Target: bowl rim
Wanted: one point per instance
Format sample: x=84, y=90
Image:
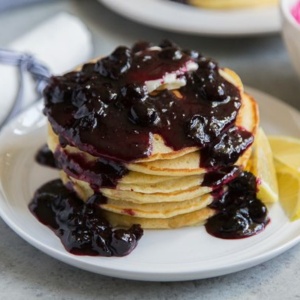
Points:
x=285, y=7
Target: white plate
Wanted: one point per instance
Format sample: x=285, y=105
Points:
x=183, y=18
x=165, y=255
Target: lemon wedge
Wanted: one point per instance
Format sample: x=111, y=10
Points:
x=289, y=189
x=289, y=193
x=261, y=164
x=286, y=151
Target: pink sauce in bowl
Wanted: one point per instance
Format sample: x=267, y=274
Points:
x=296, y=12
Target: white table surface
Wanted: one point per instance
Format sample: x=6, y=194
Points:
x=262, y=62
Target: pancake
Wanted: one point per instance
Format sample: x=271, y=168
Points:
x=84, y=190
x=197, y=217
x=142, y=179
x=167, y=186
x=157, y=210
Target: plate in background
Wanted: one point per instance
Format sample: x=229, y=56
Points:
x=177, y=17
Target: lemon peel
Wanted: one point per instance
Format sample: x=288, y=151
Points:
x=261, y=164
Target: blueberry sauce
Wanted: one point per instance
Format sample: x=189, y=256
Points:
x=81, y=227
x=218, y=178
x=45, y=157
x=106, y=110
x=226, y=148
x=100, y=172
x=240, y=213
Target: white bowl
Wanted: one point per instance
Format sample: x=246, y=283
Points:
x=291, y=32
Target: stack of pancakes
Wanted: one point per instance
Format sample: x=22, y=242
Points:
x=163, y=190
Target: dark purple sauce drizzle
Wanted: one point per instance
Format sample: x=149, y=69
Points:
x=81, y=227
x=240, y=213
x=101, y=172
x=223, y=176
x=45, y=157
